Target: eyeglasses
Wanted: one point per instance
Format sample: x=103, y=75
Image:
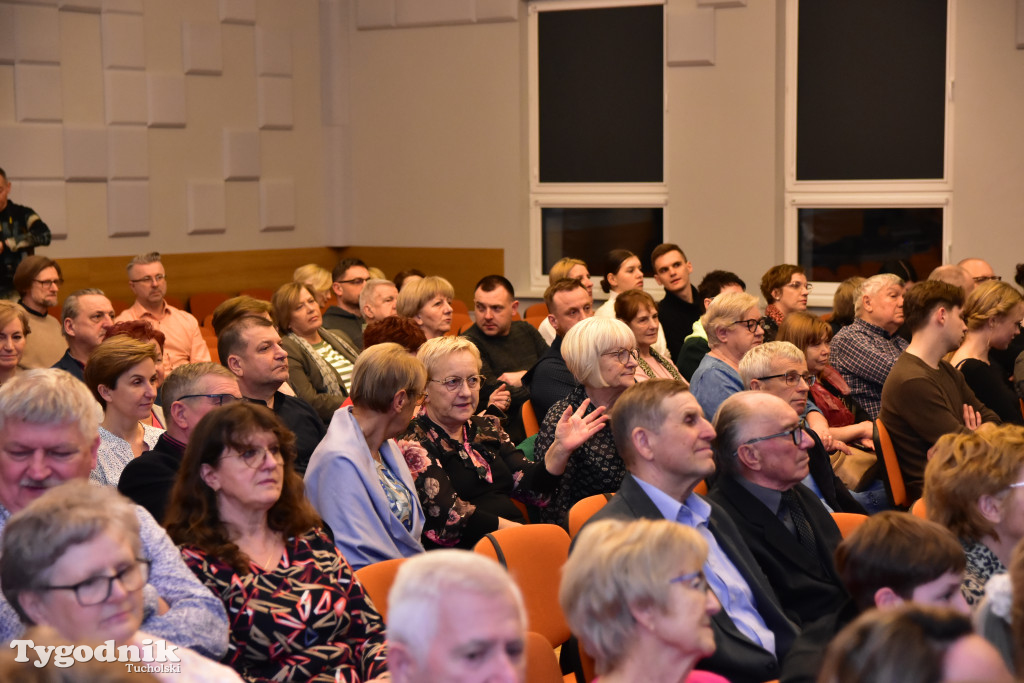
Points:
x=799, y=285
x=623, y=355
x=453, y=383
x=97, y=589
x=751, y=324
x=255, y=456
x=218, y=399
x=796, y=434
x=149, y=279
x=979, y=280
x=694, y=580
x=354, y=281
x=792, y=377
x=50, y=283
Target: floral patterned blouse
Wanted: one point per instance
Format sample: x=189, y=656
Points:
x=308, y=619
x=594, y=467
x=465, y=486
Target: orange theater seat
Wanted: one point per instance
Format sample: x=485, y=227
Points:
x=377, y=579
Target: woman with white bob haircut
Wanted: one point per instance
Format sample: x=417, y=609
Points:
x=634, y=594
x=601, y=354
x=454, y=615
x=73, y=560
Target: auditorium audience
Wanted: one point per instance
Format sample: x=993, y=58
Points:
x=237, y=307
x=636, y=308
x=85, y=319
x=358, y=479
x=635, y=595
x=565, y=268
x=319, y=361
x=428, y=302
x=1000, y=615
x=407, y=276
x=695, y=345
x=993, y=312
x=785, y=288
x=974, y=486
x=245, y=529
x=144, y=332
x=734, y=325
x=38, y=280
x=396, y=329
x=682, y=304
x=467, y=470
x=318, y=279
x=349, y=277
x=73, y=560
x=623, y=273
x=378, y=300
x=122, y=375
x=14, y=332
x=843, y=303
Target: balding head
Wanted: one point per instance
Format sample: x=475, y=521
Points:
x=979, y=269
x=954, y=275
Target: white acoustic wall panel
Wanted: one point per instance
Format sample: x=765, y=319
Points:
x=273, y=53
x=33, y=151
x=690, y=33
x=37, y=92
x=124, y=6
x=8, y=50
x=37, y=34
x=49, y=199
x=497, y=10
x=238, y=11
x=92, y=6
x=434, y=13
x=127, y=208
x=7, y=93
x=122, y=36
x=275, y=102
x=85, y=153
x=125, y=96
x=128, y=153
x=201, y=48
x=277, y=205
x=241, y=154
x=206, y=207
x=166, y=97
x=375, y=13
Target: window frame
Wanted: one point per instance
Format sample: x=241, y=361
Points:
x=861, y=194
x=583, y=195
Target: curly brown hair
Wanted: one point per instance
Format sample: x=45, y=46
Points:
x=193, y=516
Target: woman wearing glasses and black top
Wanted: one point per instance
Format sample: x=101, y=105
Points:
x=295, y=609
x=467, y=470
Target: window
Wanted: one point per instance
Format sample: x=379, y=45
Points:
x=597, y=105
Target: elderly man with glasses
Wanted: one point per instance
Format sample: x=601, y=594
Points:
x=38, y=280
x=761, y=450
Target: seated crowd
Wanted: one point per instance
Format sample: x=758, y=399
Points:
x=735, y=454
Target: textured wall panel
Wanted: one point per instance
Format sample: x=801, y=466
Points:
x=127, y=208
x=125, y=96
x=238, y=11
x=241, y=154
x=277, y=205
x=8, y=50
x=273, y=53
x=33, y=151
x=37, y=34
x=123, y=45
x=275, y=102
x=37, y=92
x=434, y=13
x=375, y=13
x=125, y=6
x=690, y=34
x=201, y=47
x=497, y=10
x=85, y=153
x=128, y=152
x=49, y=199
x=166, y=96
x=206, y=207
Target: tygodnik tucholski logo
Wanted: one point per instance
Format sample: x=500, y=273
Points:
x=153, y=656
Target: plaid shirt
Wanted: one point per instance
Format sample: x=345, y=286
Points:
x=863, y=354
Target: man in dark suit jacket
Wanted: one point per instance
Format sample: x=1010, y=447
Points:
x=762, y=458
x=665, y=441
x=188, y=393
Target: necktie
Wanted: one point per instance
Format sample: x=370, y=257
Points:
x=804, y=533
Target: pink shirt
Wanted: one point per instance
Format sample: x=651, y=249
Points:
x=185, y=343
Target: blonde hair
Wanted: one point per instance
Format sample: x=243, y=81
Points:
x=382, y=371
x=317, y=277
x=618, y=566
x=990, y=300
x=9, y=311
x=562, y=267
x=435, y=351
x=416, y=294
x=723, y=311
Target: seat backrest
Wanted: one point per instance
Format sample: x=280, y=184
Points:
x=377, y=579
x=583, y=510
x=540, y=309
x=459, y=306
x=460, y=323
x=534, y=555
x=893, y=480
x=202, y=304
x=536, y=320
x=541, y=662
x=918, y=509
x=848, y=521
x=530, y=423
